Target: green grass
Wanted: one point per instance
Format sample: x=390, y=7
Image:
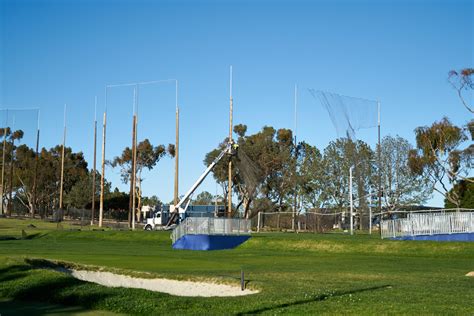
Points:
x=296, y=273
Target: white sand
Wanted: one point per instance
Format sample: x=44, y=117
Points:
x=173, y=287
x=471, y=274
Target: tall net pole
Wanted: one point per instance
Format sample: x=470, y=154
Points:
x=131, y=195
x=176, y=157
x=62, y=165
x=229, y=196
x=10, y=195
x=5, y=130
x=104, y=130
x=379, y=157
x=134, y=154
x=293, y=223
x=94, y=163
x=35, y=179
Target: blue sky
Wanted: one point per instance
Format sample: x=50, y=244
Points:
x=398, y=52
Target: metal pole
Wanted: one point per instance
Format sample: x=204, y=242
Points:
x=176, y=159
x=370, y=210
x=94, y=163
x=351, y=202
x=379, y=156
x=62, y=166
x=229, y=210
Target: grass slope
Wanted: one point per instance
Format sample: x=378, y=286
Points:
x=296, y=273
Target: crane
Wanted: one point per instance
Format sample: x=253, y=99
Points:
x=230, y=150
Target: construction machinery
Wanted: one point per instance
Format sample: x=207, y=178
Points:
x=177, y=213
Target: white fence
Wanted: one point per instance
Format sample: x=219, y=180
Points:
x=428, y=224
x=211, y=226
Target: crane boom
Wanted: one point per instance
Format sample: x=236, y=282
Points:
x=229, y=150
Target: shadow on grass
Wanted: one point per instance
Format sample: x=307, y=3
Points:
x=24, y=237
x=22, y=308
x=13, y=272
x=316, y=298
x=34, y=236
x=26, y=284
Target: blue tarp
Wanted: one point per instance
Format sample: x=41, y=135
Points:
x=440, y=237
x=209, y=242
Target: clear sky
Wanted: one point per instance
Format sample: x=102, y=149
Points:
x=398, y=52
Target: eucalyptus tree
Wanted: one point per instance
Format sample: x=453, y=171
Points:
x=262, y=170
x=47, y=177
x=312, y=179
x=338, y=158
x=462, y=81
x=438, y=157
x=147, y=158
x=401, y=187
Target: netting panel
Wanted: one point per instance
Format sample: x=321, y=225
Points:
x=348, y=114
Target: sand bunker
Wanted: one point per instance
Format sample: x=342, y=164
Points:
x=173, y=287
x=471, y=274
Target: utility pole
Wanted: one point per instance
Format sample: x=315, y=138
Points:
x=229, y=194
x=62, y=167
x=176, y=154
x=94, y=162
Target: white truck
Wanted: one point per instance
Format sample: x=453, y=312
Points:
x=159, y=218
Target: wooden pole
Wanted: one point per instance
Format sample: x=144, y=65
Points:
x=130, y=200
x=293, y=222
x=62, y=166
x=134, y=168
x=94, y=163
x=229, y=196
x=9, y=206
x=134, y=154
x=101, y=201
x=35, y=179
x=176, y=159
x=379, y=156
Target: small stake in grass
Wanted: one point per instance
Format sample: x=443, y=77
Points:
x=242, y=280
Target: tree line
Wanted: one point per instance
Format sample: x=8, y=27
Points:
x=270, y=173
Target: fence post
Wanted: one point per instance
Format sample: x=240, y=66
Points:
x=471, y=225
x=258, y=221
x=430, y=223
